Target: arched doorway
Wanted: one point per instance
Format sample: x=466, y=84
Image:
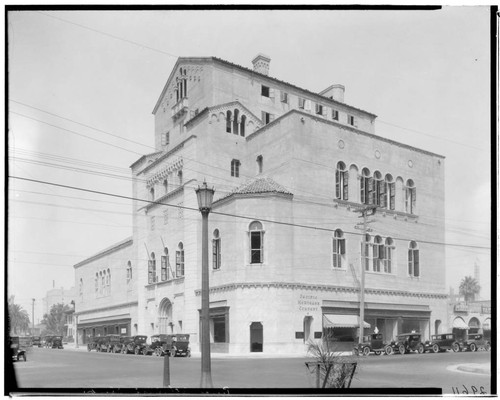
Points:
x=256, y=337
x=460, y=328
x=474, y=325
x=437, y=325
x=165, y=324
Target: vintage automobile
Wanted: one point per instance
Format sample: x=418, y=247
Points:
x=158, y=342
x=47, y=341
x=36, y=341
x=373, y=343
x=407, y=342
x=135, y=345
x=107, y=343
x=127, y=344
x=180, y=345
x=442, y=342
x=18, y=347
x=94, y=343
x=56, y=342
x=474, y=342
x=119, y=346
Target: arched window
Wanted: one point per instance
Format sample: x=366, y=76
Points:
x=96, y=285
x=165, y=265
x=179, y=261
x=235, y=121
x=338, y=249
x=366, y=187
x=378, y=190
x=152, y=269
x=378, y=253
x=260, y=162
x=410, y=197
x=179, y=177
x=109, y=282
x=81, y=289
x=256, y=243
x=152, y=194
x=390, y=190
x=388, y=255
x=242, y=125
x=413, y=259
x=165, y=186
x=341, y=182
x=228, y=121
x=365, y=252
x=216, y=256
x=235, y=168
x=103, y=283
x=129, y=272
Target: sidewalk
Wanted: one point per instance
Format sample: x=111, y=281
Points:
x=476, y=368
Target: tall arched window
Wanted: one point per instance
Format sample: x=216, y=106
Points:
x=388, y=255
x=256, y=243
x=103, y=283
x=96, y=285
x=152, y=194
x=216, y=256
x=165, y=265
x=390, y=190
x=235, y=121
x=366, y=187
x=378, y=189
x=338, y=249
x=341, y=182
x=378, y=253
x=179, y=177
x=165, y=186
x=81, y=289
x=228, y=121
x=410, y=197
x=179, y=261
x=260, y=164
x=242, y=125
x=152, y=269
x=365, y=252
x=413, y=259
x=109, y=282
x=129, y=272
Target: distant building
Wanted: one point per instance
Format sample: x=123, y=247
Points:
x=274, y=152
x=474, y=317
x=58, y=296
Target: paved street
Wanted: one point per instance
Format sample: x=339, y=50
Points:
x=48, y=368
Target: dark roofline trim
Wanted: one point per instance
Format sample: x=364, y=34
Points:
x=236, y=196
x=345, y=127
x=143, y=157
x=166, y=155
x=118, y=246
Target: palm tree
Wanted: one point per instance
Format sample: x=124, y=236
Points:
x=469, y=288
x=18, y=317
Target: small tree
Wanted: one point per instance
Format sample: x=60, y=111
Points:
x=469, y=288
x=332, y=369
x=19, y=319
x=55, y=320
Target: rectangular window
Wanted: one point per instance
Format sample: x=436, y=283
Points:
x=284, y=97
x=216, y=254
x=163, y=268
x=302, y=103
x=392, y=195
x=319, y=109
x=219, y=328
x=150, y=271
x=413, y=263
x=235, y=168
x=351, y=120
x=165, y=138
x=338, y=250
x=256, y=248
x=388, y=260
x=267, y=117
x=264, y=91
x=179, y=263
x=335, y=115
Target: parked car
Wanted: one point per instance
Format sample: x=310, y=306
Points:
x=127, y=344
x=180, y=345
x=407, y=342
x=475, y=342
x=442, y=342
x=373, y=343
x=18, y=347
x=94, y=343
x=119, y=346
x=36, y=341
x=107, y=343
x=47, y=341
x=136, y=344
x=56, y=342
x=158, y=346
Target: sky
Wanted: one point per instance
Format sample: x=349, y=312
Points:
x=83, y=84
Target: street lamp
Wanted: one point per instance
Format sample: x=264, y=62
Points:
x=205, y=197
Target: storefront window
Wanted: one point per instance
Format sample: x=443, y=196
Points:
x=219, y=329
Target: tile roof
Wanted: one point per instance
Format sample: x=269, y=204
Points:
x=258, y=186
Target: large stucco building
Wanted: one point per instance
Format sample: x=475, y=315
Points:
x=291, y=170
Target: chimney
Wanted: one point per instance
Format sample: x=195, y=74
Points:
x=334, y=92
x=261, y=64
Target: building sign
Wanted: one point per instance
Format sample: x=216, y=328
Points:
x=308, y=302
x=486, y=309
x=461, y=307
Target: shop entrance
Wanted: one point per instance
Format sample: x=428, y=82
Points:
x=256, y=337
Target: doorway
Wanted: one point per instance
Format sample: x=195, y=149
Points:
x=256, y=337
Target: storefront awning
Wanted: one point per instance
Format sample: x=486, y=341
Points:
x=459, y=323
x=342, y=321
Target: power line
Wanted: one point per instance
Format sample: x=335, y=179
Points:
x=110, y=35
x=233, y=215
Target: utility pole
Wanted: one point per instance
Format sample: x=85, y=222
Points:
x=365, y=213
x=33, y=317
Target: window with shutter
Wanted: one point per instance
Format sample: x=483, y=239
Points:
x=337, y=184
x=371, y=193
x=413, y=200
x=410, y=262
x=308, y=105
x=392, y=195
x=382, y=195
x=346, y=185
x=363, y=189
x=416, y=264
x=302, y=103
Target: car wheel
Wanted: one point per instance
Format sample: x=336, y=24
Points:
x=455, y=347
x=137, y=351
x=435, y=348
x=145, y=351
x=366, y=351
x=473, y=347
x=401, y=349
x=420, y=348
x=487, y=347
x=389, y=350
x=377, y=353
